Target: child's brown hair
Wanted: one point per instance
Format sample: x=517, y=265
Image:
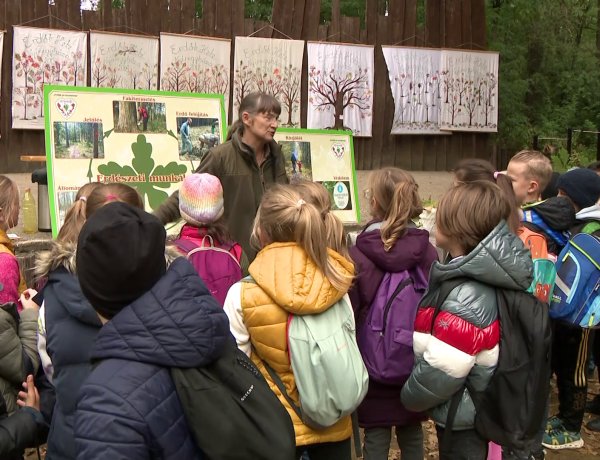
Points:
x=106, y=193
x=397, y=201
x=75, y=217
x=469, y=211
x=472, y=169
x=284, y=216
x=539, y=166
x=318, y=196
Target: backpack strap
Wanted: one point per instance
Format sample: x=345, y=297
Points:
x=185, y=245
x=277, y=381
x=446, y=288
x=452, y=410
x=591, y=227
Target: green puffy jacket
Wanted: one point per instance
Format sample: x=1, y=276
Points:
x=244, y=183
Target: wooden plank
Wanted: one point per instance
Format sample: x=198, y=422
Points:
x=371, y=21
x=209, y=16
x=396, y=14
x=465, y=15
x=165, y=17
x=478, y=30
x=248, y=26
x=297, y=26
x=351, y=28
x=153, y=19
x=3, y=23
x=372, y=155
x=335, y=26
x=432, y=24
x=304, y=89
x=312, y=12
x=175, y=13
x=107, y=14
x=430, y=150
x=187, y=15
x=282, y=12
x=237, y=18
x=223, y=18
x=323, y=32
x=410, y=23
x=41, y=11
x=74, y=14
x=452, y=25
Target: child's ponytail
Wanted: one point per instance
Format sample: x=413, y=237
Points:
x=405, y=205
x=75, y=217
x=284, y=216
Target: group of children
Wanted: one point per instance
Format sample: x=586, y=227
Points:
x=120, y=307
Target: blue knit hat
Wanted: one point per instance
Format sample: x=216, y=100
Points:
x=582, y=185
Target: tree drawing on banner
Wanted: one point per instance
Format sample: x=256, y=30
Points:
x=149, y=75
x=290, y=92
x=180, y=77
x=175, y=77
x=242, y=79
x=333, y=90
x=33, y=73
x=469, y=91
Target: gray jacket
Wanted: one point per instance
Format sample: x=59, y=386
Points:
x=463, y=348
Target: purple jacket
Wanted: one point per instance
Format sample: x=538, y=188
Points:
x=382, y=406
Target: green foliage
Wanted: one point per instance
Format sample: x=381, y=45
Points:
x=549, y=71
x=143, y=164
x=354, y=8
x=259, y=9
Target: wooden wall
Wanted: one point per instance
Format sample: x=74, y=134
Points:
x=447, y=23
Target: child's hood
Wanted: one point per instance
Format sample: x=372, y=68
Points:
x=557, y=212
x=591, y=213
x=175, y=324
x=500, y=260
x=289, y=276
x=410, y=250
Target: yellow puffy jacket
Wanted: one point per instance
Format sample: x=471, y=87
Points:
x=288, y=281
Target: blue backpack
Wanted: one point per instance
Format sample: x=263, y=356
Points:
x=576, y=297
x=385, y=338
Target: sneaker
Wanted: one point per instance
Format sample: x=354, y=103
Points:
x=553, y=423
x=562, y=439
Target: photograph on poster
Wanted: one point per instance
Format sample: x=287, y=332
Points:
x=339, y=192
x=139, y=117
x=297, y=159
x=74, y=140
x=65, y=200
x=196, y=136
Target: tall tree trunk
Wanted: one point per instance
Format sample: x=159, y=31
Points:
x=95, y=136
x=127, y=118
x=67, y=135
x=339, y=111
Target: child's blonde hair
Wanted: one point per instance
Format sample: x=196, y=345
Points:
x=106, y=193
x=75, y=217
x=284, y=216
x=9, y=200
x=539, y=166
x=469, y=211
x=318, y=196
x=397, y=201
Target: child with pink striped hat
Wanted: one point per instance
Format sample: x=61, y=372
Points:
x=205, y=239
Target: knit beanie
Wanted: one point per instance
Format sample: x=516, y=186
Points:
x=201, y=199
x=582, y=185
x=120, y=256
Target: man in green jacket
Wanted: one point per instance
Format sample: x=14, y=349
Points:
x=248, y=163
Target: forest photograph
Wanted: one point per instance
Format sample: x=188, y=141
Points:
x=197, y=136
x=139, y=117
x=297, y=159
x=78, y=140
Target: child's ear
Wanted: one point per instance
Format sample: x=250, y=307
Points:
x=534, y=187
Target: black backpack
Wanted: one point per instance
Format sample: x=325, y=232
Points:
x=510, y=411
x=232, y=412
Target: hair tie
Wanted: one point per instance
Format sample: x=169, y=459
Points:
x=83, y=198
x=300, y=203
x=496, y=174
x=111, y=197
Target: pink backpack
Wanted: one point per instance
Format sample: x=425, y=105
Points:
x=217, y=266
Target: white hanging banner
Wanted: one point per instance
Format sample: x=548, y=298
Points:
x=195, y=64
x=272, y=66
x=340, y=87
x=414, y=75
x=469, y=81
x=42, y=57
x=124, y=61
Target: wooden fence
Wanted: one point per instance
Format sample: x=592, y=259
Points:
x=446, y=23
